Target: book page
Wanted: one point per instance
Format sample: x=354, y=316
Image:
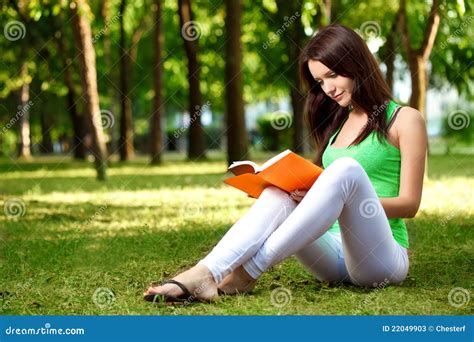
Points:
x=241, y=167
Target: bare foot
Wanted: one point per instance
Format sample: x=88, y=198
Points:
x=238, y=281
x=198, y=280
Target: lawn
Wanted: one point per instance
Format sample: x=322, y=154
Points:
x=72, y=245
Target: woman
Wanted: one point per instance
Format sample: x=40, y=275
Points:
x=349, y=226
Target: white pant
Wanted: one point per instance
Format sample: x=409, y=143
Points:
x=276, y=227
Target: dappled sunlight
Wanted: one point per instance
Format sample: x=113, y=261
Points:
x=139, y=170
x=450, y=196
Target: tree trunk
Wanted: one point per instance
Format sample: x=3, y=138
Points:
x=389, y=52
x=126, y=134
x=111, y=93
x=237, y=139
x=327, y=11
x=24, y=94
x=418, y=58
x=417, y=67
x=46, y=126
x=79, y=125
x=196, y=145
x=83, y=39
x=294, y=40
x=156, y=138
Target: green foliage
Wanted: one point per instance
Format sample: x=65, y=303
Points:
x=267, y=68
x=275, y=132
x=458, y=128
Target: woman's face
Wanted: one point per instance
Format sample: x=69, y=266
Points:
x=337, y=87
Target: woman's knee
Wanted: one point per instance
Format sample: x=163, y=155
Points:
x=346, y=168
x=272, y=192
x=346, y=165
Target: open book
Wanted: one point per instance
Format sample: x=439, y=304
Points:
x=287, y=171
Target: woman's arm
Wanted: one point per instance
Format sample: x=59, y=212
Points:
x=410, y=131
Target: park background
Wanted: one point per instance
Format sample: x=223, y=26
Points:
x=118, y=120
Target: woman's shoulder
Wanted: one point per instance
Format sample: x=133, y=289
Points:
x=409, y=125
x=409, y=117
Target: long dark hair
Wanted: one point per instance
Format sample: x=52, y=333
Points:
x=343, y=51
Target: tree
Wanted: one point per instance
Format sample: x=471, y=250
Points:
x=290, y=30
x=85, y=48
x=156, y=144
x=126, y=132
x=79, y=124
x=418, y=57
x=190, y=34
x=237, y=140
x=24, y=97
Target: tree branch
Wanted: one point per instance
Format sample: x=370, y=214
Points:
x=404, y=28
x=431, y=31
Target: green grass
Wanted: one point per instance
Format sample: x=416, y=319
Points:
x=78, y=236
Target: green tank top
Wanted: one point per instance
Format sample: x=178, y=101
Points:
x=381, y=162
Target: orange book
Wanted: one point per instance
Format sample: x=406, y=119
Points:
x=287, y=171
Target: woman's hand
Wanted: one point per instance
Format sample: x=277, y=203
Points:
x=298, y=195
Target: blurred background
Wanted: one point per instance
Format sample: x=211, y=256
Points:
x=115, y=79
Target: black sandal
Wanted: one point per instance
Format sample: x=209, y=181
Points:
x=186, y=298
